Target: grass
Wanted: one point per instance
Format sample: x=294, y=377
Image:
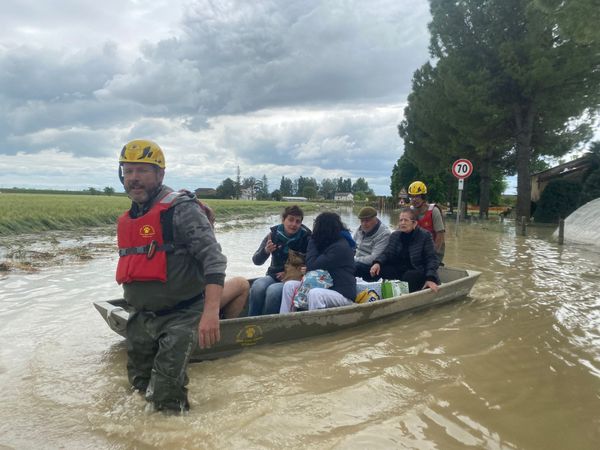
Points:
x=30, y=213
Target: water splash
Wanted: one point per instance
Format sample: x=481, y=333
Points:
x=583, y=225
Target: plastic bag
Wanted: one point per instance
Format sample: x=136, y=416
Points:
x=313, y=279
x=393, y=288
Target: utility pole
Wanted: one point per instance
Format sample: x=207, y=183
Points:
x=238, y=184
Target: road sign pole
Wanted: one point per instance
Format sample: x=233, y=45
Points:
x=461, y=183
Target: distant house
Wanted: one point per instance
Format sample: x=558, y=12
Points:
x=294, y=199
x=574, y=170
x=206, y=192
x=247, y=194
x=343, y=197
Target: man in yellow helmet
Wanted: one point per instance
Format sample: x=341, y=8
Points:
x=172, y=271
x=429, y=216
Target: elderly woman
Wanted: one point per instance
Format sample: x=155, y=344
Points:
x=409, y=256
x=330, y=248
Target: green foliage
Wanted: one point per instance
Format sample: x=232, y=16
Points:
x=559, y=199
x=34, y=213
x=328, y=188
x=344, y=185
x=276, y=195
x=440, y=184
x=360, y=196
x=511, y=79
x=591, y=187
x=304, y=183
x=361, y=186
x=286, y=187
x=22, y=213
x=577, y=19
x=227, y=189
x=309, y=192
x=403, y=173
x=263, y=189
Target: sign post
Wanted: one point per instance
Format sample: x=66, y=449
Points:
x=461, y=169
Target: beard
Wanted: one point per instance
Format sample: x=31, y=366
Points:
x=139, y=192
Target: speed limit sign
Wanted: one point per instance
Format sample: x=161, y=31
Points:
x=462, y=168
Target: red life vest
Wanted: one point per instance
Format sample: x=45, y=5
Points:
x=426, y=221
x=142, y=251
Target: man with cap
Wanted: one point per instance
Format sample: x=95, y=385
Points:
x=371, y=238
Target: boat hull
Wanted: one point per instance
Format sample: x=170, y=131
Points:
x=247, y=332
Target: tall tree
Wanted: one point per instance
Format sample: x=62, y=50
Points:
x=286, y=187
x=263, y=193
x=227, y=189
x=544, y=84
x=361, y=186
x=344, y=185
x=305, y=182
x=328, y=188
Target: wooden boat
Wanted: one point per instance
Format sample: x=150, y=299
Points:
x=245, y=332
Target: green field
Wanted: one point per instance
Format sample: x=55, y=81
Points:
x=27, y=213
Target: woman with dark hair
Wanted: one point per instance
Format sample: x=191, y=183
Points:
x=330, y=248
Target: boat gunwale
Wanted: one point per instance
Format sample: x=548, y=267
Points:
x=298, y=315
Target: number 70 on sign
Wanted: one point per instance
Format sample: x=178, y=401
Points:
x=462, y=168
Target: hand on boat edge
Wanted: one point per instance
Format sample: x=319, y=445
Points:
x=431, y=285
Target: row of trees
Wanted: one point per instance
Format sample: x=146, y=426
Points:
x=511, y=82
x=106, y=191
x=307, y=187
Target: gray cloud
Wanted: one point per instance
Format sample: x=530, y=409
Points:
x=220, y=76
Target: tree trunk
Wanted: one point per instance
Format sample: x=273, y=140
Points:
x=451, y=196
x=524, y=115
x=484, y=184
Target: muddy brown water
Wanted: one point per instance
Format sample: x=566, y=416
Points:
x=514, y=366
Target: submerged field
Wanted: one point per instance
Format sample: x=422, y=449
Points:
x=28, y=213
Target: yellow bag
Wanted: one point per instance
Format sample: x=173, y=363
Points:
x=367, y=296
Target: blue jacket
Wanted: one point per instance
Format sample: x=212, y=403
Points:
x=338, y=260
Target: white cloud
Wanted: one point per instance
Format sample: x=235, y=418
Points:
x=310, y=88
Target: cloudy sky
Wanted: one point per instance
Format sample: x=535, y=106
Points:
x=276, y=87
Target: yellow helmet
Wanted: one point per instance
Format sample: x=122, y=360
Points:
x=417, y=188
x=142, y=151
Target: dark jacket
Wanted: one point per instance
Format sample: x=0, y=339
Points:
x=421, y=252
x=338, y=260
x=298, y=243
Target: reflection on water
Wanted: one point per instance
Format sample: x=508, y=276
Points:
x=515, y=365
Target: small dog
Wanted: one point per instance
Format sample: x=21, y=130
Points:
x=293, y=266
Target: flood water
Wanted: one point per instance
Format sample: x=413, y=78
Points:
x=514, y=366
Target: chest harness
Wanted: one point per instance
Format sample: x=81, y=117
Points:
x=144, y=243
